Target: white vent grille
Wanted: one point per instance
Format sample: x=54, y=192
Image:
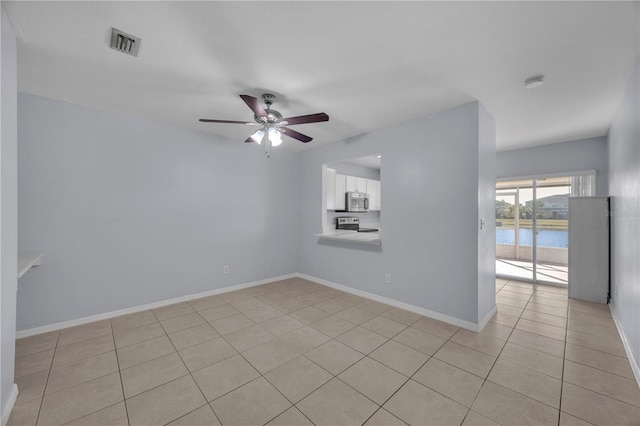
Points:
x=125, y=43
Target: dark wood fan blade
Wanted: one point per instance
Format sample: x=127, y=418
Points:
x=207, y=120
x=303, y=119
x=296, y=135
x=254, y=104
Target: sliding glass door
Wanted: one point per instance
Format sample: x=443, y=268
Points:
x=511, y=259
x=552, y=224
x=532, y=229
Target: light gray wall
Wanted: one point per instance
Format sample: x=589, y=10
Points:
x=624, y=188
x=486, y=210
x=583, y=154
x=130, y=212
x=429, y=227
x=8, y=207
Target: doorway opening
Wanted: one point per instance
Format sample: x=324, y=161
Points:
x=532, y=227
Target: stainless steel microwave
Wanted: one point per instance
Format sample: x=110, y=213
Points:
x=357, y=201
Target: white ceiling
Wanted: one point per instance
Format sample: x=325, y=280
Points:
x=366, y=64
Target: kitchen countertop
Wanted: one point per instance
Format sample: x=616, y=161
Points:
x=351, y=236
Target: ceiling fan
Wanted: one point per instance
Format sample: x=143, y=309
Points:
x=271, y=123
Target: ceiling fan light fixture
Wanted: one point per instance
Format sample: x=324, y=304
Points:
x=275, y=137
x=257, y=136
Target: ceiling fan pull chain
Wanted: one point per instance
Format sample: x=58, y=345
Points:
x=267, y=142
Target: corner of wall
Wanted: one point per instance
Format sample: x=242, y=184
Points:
x=623, y=150
x=486, y=214
x=8, y=407
x=8, y=211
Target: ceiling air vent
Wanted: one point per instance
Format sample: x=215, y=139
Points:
x=124, y=42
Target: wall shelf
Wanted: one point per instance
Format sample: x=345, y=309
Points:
x=27, y=261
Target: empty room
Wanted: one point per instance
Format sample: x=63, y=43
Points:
x=280, y=213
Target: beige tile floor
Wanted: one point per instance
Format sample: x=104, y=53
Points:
x=297, y=353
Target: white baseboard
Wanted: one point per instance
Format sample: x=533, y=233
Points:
x=627, y=347
x=407, y=307
x=72, y=323
x=401, y=305
x=6, y=410
x=483, y=323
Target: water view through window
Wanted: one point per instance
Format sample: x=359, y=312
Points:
x=546, y=237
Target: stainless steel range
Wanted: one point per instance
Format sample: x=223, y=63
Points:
x=352, y=223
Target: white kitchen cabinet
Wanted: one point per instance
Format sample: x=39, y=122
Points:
x=340, y=190
x=330, y=189
x=351, y=183
x=373, y=189
x=361, y=185
x=336, y=185
x=589, y=248
x=356, y=184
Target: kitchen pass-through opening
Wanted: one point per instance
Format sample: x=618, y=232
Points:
x=352, y=199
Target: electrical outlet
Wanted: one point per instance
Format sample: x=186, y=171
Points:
x=387, y=278
x=226, y=269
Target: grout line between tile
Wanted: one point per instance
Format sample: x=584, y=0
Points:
x=188, y=372
x=564, y=360
x=593, y=349
x=600, y=369
x=196, y=409
x=44, y=391
x=333, y=376
x=140, y=341
x=507, y=341
x=605, y=395
x=267, y=380
x=252, y=366
x=77, y=384
x=124, y=398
